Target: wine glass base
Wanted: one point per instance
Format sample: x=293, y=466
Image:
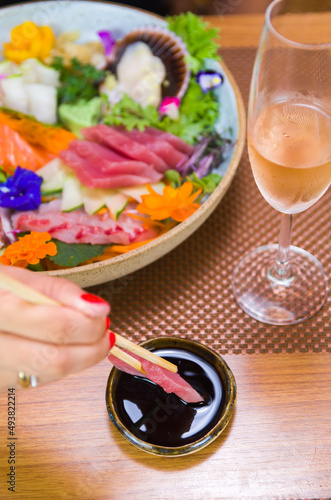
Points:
x=280, y=302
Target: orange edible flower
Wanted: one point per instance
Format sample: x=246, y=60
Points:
x=29, y=249
x=28, y=40
x=175, y=203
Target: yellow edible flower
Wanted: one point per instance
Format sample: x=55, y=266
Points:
x=175, y=203
x=28, y=40
x=29, y=249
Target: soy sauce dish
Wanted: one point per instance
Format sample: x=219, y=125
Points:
x=161, y=423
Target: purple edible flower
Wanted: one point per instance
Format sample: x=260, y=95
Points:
x=108, y=41
x=21, y=191
x=209, y=80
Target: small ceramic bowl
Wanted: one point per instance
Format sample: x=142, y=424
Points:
x=161, y=423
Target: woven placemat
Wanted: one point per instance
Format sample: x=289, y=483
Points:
x=188, y=292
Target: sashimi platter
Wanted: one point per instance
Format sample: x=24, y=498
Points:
x=120, y=132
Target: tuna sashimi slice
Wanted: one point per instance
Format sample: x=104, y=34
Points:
x=108, y=162
x=124, y=367
x=117, y=174
x=79, y=227
x=175, y=141
x=170, y=382
x=92, y=151
x=159, y=146
x=114, y=139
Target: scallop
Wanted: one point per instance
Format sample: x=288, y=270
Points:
x=169, y=48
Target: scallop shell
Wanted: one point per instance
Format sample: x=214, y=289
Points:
x=169, y=48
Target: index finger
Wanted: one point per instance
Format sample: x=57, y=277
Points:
x=61, y=290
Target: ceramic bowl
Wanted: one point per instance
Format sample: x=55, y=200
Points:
x=165, y=418
x=89, y=17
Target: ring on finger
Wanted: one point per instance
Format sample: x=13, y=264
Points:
x=26, y=381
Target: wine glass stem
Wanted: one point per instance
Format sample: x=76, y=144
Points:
x=282, y=268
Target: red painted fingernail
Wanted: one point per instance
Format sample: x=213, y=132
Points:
x=108, y=322
x=112, y=339
x=93, y=299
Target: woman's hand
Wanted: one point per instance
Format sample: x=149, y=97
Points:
x=49, y=342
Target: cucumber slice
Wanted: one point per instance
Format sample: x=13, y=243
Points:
x=116, y=203
x=136, y=192
x=72, y=194
x=54, y=174
x=94, y=199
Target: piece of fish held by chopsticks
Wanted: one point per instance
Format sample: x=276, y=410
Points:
x=169, y=381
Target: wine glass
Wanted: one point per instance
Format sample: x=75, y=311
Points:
x=289, y=146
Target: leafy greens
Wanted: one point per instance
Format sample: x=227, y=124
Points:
x=70, y=255
x=197, y=36
x=79, y=81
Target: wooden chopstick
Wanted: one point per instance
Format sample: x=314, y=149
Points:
x=31, y=295
x=144, y=353
x=129, y=360
x=25, y=292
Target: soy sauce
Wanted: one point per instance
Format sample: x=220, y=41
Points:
x=163, y=419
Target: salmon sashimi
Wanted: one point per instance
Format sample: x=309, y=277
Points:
x=169, y=381
x=52, y=139
x=114, y=139
x=79, y=227
x=16, y=151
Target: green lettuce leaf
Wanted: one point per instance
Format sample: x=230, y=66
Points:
x=70, y=255
x=131, y=114
x=198, y=37
x=208, y=183
x=198, y=113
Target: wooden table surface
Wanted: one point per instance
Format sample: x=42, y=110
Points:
x=277, y=446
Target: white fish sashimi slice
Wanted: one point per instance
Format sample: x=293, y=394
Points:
x=42, y=102
x=79, y=227
x=15, y=95
x=34, y=71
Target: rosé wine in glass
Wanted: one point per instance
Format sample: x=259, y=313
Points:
x=290, y=154
x=289, y=146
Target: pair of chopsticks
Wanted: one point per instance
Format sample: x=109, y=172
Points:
x=32, y=296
